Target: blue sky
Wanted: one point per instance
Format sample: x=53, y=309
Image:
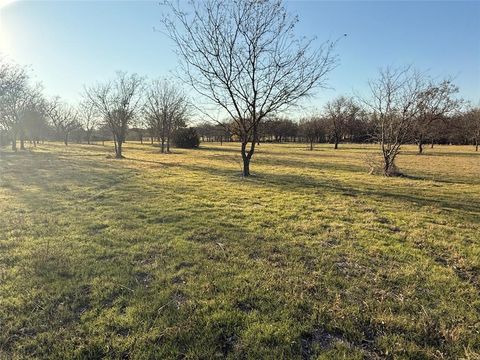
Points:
x=68, y=44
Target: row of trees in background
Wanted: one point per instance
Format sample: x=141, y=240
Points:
x=404, y=106
x=354, y=126
x=342, y=120
x=107, y=110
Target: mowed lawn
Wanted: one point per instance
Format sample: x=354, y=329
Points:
x=176, y=256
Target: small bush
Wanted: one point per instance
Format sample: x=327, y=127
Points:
x=186, y=138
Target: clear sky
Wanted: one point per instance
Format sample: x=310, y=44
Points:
x=69, y=43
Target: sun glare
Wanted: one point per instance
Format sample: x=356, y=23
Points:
x=4, y=3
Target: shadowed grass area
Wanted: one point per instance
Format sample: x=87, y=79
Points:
x=177, y=256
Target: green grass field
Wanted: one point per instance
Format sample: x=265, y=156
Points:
x=176, y=256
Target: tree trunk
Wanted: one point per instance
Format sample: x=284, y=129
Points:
x=118, y=150
x=476, y=144
x=311, y=145
x=246, y=166
x=14, y=144
x=420, y=143
x=66, y=140
x=336, y=145
x=247, y=156
x=387, y=167
x=163, y=145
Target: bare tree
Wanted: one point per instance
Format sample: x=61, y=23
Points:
x=312, y=129
x=139, y=132
x=339, y=113
x=280, y=129
x=209, y=132
x=88, y=117
x=35, y=125
x=18, y=99
x=473, y=126
x=13, y=80
x=243, y=57
x=166, y=108
x=395, y=105
x=118, y=101
x=64, y=118
x=436, y=104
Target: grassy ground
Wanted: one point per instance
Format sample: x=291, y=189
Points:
x=176, y=256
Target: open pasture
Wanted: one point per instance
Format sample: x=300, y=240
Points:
x=177, y=256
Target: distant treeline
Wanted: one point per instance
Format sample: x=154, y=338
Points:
x=457, y=130
x=404, y=107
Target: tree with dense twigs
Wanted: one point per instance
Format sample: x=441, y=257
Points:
x=395, y=105
x=243, y=56
x=166, y=109
x=118, y=101
x=437, y=103
x=63, y=117
x=18, y=100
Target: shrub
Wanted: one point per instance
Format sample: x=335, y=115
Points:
x=186, y=138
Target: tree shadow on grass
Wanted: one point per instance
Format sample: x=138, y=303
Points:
x=433, y=153
x=437, y=180
x=281, y=149
x=297, y=183
x=220, y=148
x=166, y=164
x=47, y=171
x=311, y=165
x=46, y=178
